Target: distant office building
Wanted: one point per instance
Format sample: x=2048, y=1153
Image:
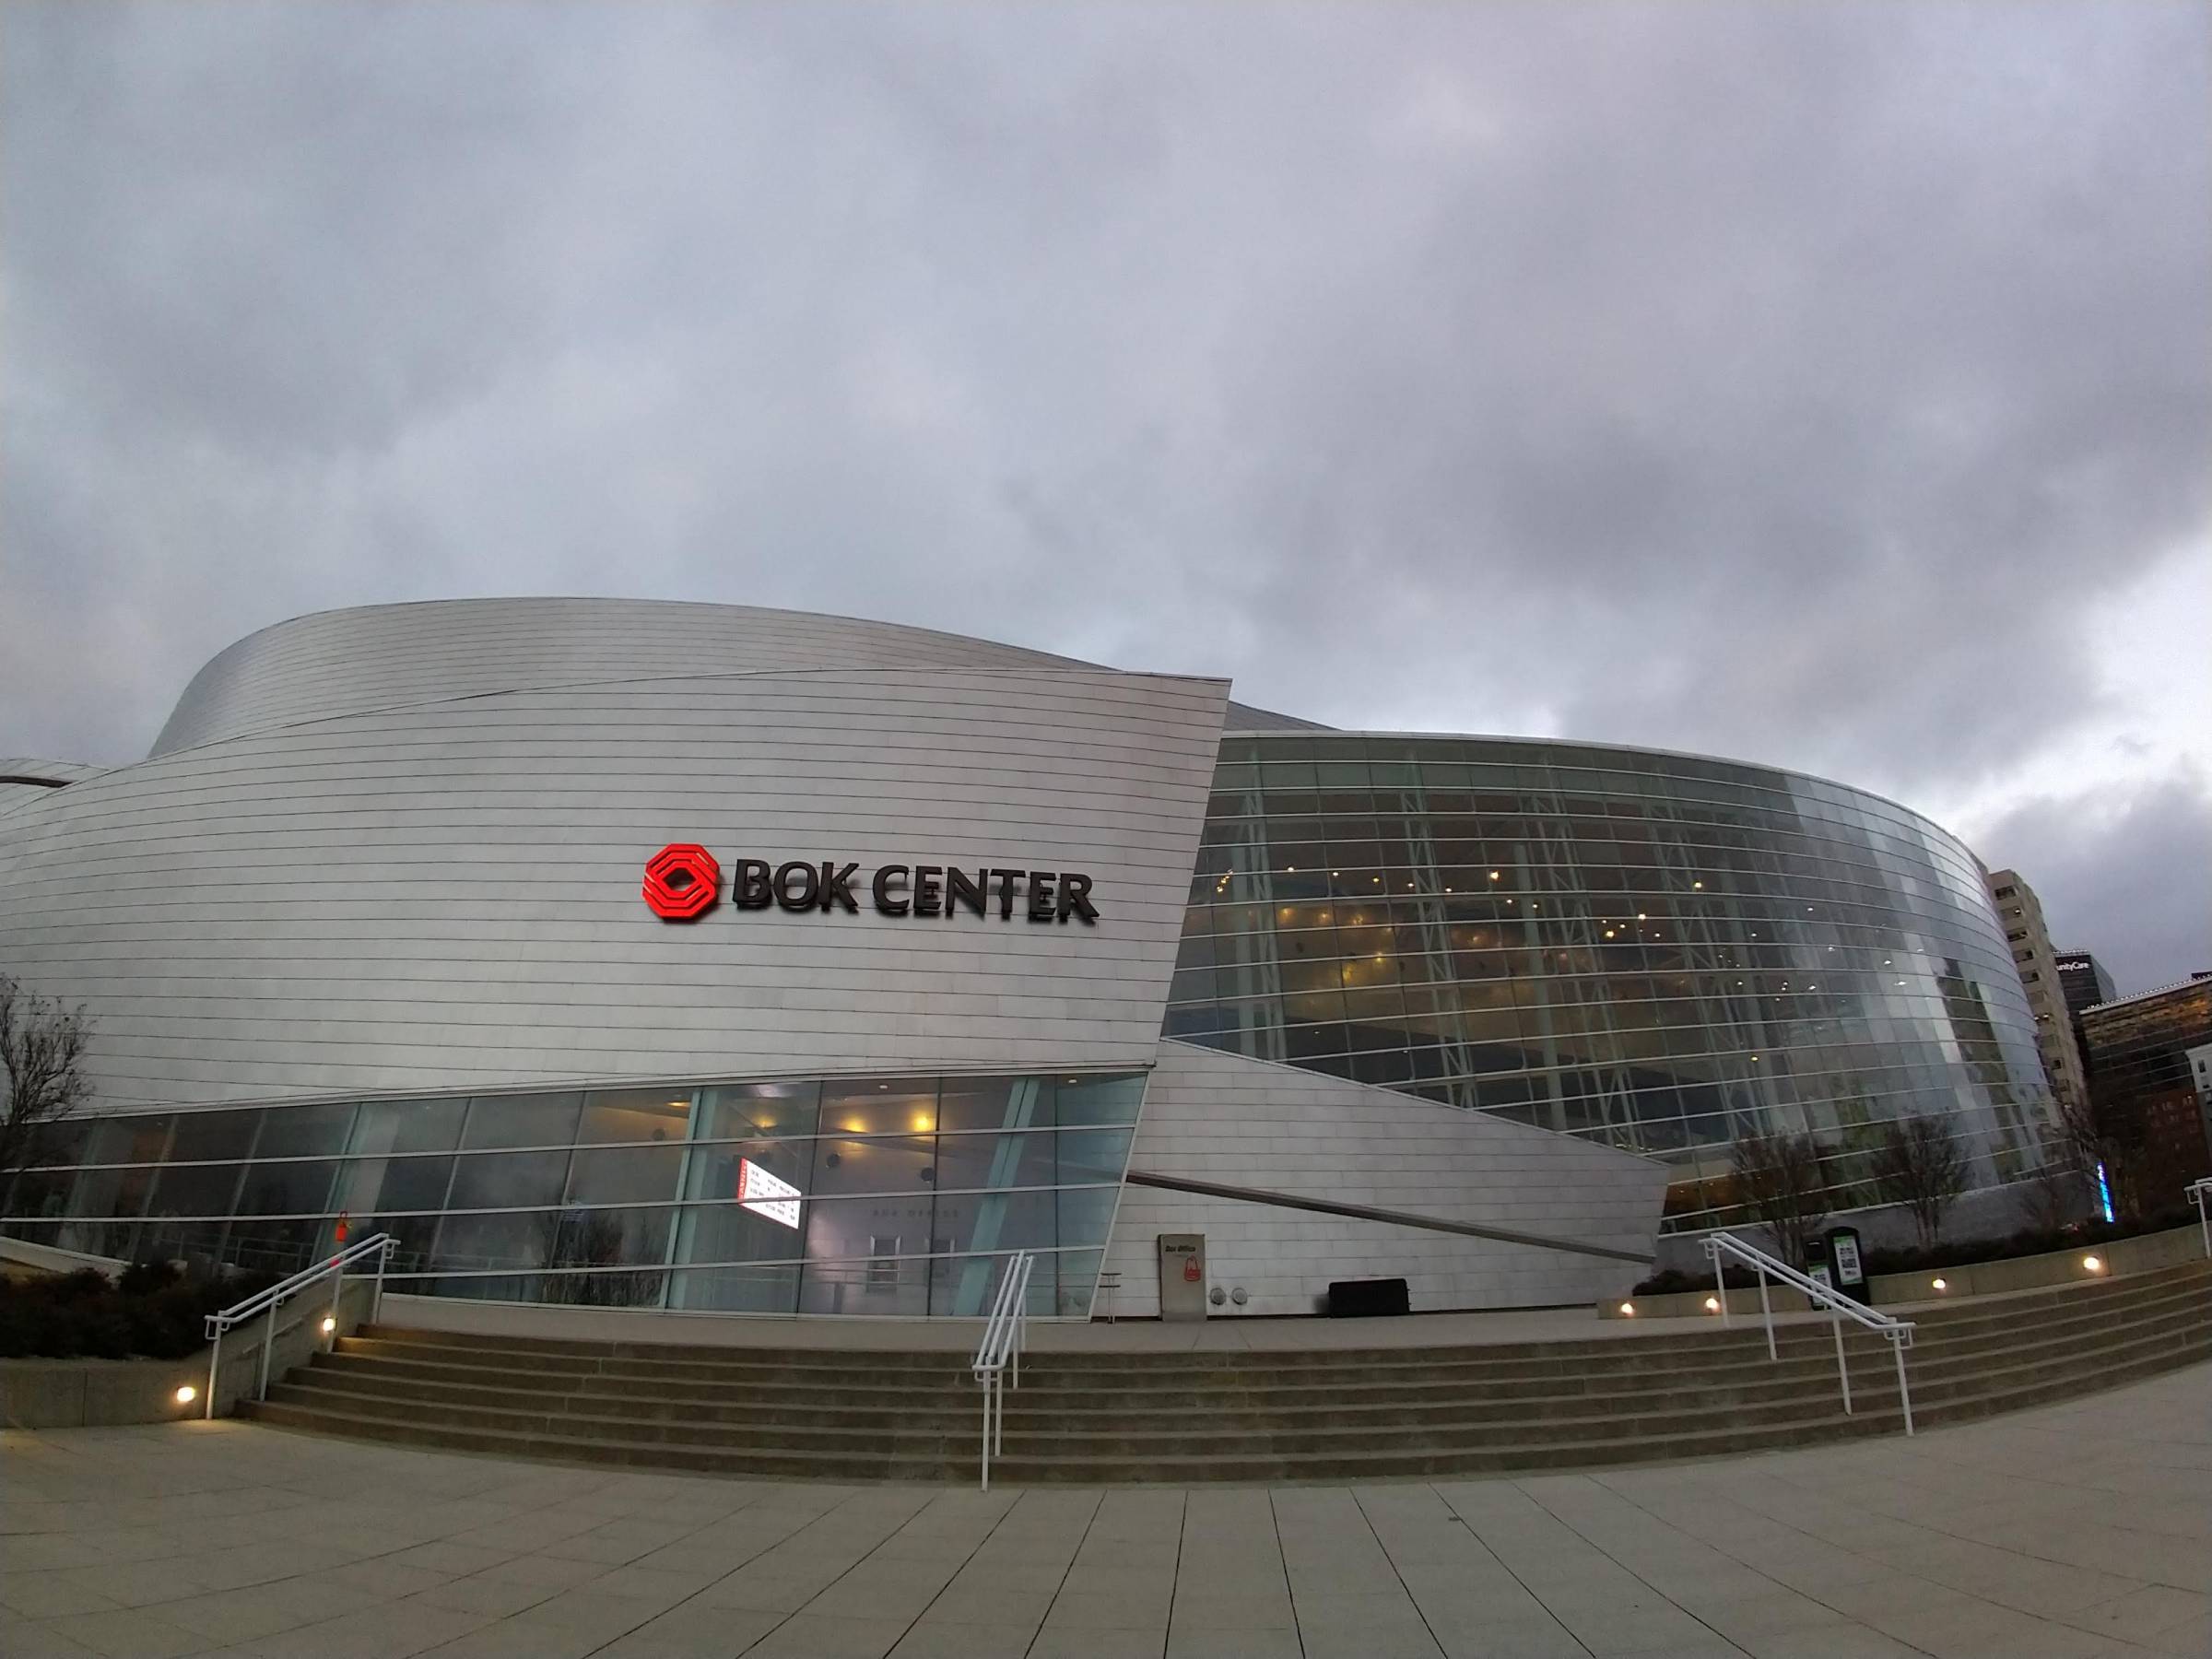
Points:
x=2145, y=1083
x=2038, y=964
x=2086, y=983
x=2200, y=1077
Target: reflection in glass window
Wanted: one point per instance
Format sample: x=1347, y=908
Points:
x=304, y=1131
x=747, y=1110
x=1636, y=915
x=638, y=1198
x=547, y=1119
x=508, y=1181
x=881, y=1106
x=867, y=1255
x=109, y=1201
x=995, y=1103
x=995, y=1161
x=656, y=1115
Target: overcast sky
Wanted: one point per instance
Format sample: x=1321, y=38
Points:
x=1828, y=385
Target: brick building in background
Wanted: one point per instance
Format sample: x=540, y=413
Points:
x=2143, y=1089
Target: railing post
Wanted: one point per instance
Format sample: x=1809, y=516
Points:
x=1904, y=1395
x=1720, y=1281
x=376, y=1301
x=268, y=1342
x=1835, y=1319
x=986, y=1433
x=215, y=1362
x=1766, y=1309
x=338, y=1303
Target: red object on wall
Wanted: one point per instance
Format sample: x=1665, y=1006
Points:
x=1190, y=1271
x=682, y=882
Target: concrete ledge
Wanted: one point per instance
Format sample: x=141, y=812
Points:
x=80, y=1394
x=2147, y=1253
x=19, y=1258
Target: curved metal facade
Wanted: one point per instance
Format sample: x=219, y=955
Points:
x=444, y=894
x=1649, y=950
x=353, y=662
x=365, y=935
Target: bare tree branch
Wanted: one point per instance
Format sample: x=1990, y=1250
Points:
x=1777, y=1179
x=2116, y=1139
x=41, y=1048
x=1919, y=1165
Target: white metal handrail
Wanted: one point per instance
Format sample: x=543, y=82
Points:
x=1840, y=1307
x=998, y=1355
x=2200, y=1194
x=380, y=1245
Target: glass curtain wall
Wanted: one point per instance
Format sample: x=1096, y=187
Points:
x=1653, y=950
x=888, y=1197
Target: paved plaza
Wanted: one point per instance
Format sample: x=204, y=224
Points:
x=2076, y=1530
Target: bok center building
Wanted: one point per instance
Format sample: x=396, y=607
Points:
x=710, y=959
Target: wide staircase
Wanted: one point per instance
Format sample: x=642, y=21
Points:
x=1316, y=1415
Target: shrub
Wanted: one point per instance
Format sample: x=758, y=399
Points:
x=2028, y=1241
x=154, y=1311
x=1674, y=1281
x=142, y=1279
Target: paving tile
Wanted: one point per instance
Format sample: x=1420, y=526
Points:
x=689, y=1632
x=1101, y=1610
x=942, y=1640
x=983, y=1599
x=824, y=1636
x=492, y=1597
x=1256, y=1642
x=1066, y=1643
x=1208, y=1609
x=445, y=1556
x=2055, y=1535
x=1492, y=1638
x=387, y=1580
x=396, y=1631
x=52, y=1593
x=2143, y=1614
x=129, y=1633
x=236, y=1615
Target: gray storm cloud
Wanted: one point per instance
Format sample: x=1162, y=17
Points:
x=1775, y=381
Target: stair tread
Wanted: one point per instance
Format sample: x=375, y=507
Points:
x=1249, y=1415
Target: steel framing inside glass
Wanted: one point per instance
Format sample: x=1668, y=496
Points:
x=876, y=1195
x=1653, y=950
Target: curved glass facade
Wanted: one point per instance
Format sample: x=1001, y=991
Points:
x=895, y=1196
x=1657, y=951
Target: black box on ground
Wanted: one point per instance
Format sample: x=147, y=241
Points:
x=1362, y=1298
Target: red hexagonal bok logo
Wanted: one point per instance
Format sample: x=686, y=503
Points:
x=682, y=882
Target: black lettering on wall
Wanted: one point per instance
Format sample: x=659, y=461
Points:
x=801, y=895
x=1075, y=896
x=913, y=889
x=836, y=885
x=881, y=887
x=750, y=890
x=962, y=888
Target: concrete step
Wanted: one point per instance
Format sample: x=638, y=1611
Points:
x=1749, y=1379
x=1873, y=1376
x=1064, y=1382
x=1410, y=1459
x=1316, y=1415
x=1127, y=1436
